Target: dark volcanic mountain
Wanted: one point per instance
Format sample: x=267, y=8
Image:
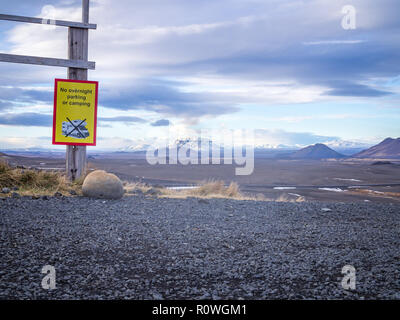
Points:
x=316, y=152
x=388, y=148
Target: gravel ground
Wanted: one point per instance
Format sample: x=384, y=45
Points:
x=147, y=248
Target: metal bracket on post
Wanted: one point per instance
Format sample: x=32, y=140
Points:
x=73, y=169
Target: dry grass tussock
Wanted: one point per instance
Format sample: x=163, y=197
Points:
x=36, y=182
x=285, y=198
x=206, y=189
x=135, y=187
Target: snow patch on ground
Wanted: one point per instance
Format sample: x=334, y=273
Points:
x=332, y=189
x=284, y=188
x=344, y=179
x=182, y=187
x=373, y=191
x=295, y=194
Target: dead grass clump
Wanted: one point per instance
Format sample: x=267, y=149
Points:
x=135, y=187
x=36, y=182
x=215, y=188
x=285, y=198
x=210, y=189
x=3, y=166
x=206, y=189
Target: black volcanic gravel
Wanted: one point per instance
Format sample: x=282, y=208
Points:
x=148, y=248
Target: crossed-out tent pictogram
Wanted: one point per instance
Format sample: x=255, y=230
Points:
x=75, y=127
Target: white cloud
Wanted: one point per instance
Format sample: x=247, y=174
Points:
x=313, y=43
x=160, y=39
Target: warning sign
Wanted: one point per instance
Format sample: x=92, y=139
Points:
x=75, y=112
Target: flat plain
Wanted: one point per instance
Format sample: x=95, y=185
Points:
x=346, y=180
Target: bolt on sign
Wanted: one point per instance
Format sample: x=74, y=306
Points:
x=75, y=112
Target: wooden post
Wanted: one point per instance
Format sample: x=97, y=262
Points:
x=77, y=50
x=77, y=64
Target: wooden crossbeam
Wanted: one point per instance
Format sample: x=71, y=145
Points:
x=79, y=64
x=61, y=23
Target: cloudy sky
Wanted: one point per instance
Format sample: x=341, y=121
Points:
x=285, y=68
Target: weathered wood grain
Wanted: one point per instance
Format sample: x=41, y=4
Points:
x=76, y=161
x=55, y=62
x=62, y=23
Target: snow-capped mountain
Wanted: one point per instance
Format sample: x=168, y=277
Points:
x=344, y=144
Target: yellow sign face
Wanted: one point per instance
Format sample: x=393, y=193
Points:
x=75, y=112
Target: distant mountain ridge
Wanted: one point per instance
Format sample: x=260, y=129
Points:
x=341, y=146
x=316, y=152
x=345, y=144
x=388, y=148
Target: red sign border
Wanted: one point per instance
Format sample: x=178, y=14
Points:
x=55, y=111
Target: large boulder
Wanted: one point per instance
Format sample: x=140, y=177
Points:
x=100, y=184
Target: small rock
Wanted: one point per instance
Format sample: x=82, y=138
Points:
x=229, y=246
x=72, y=192
x=157, y=296
x=57, y=194
x=15, y=195
x=44, y=197
x=5, y=190
x=206, y=295
x=326, y=210
x=396, y=296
